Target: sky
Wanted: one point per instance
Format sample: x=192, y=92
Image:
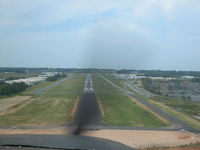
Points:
x=112, y=34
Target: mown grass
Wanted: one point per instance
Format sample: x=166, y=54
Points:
x=120, y=110
x=177, y=114
x=29, y=90
x=178, y=108
x=40, y=112
x=187, y=106
x=51, y=107
x=70, y=88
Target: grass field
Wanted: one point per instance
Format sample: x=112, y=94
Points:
x=53, y=107
x=71, y=88
x=181, y=109
x=29, y=90
x=120, y=110
x=40, y=112
x=187, y=106
x=183, y=113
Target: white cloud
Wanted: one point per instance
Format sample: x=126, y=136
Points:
x=44, y=12
x=37, y=12
x=139, y=27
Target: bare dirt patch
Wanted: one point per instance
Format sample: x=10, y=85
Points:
x=139, y=139
x=16, y=107
x=101, y=108
x=74, y=108
x=184, y=137
x=181, y=148
x=13, y=103
x=55, y=102
x=147, y=139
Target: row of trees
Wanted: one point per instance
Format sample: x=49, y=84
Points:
x=162, y=73
x=7, y=89
x=196, y=80
x=25, y=70
x=147, y=84
x=56, y=77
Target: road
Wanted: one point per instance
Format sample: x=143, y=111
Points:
x=88, y=114
x=179, y=125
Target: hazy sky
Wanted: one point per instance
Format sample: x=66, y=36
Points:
x=131, y=34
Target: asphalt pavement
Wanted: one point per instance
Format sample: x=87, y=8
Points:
x=88, y=114
x=61, y=142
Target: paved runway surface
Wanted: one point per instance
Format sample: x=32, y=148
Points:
x=62, y=141
x=88, y=113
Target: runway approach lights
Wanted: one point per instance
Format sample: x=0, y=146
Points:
x=88, y=88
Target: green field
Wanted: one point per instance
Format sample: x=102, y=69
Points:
x=120, y=110
x=186, y=106
x=179, y=108
x=71, y=88
x=40, y=112
x=29, y=90
x=52, y=107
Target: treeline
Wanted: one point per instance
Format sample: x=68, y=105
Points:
x=56, y=77
x=147, y=84
x=161, y=73
x=149, y=73
x=7, y=89
x=63, y=70
x=13, y=78
x=151, y=85
x=196, y=80
x=22, y=70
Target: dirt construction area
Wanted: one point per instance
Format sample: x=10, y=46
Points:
x=181, y=148
x=133, y=138
x=147, y=139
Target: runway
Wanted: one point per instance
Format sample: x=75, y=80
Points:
x=61, y=142
x=88, y=114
